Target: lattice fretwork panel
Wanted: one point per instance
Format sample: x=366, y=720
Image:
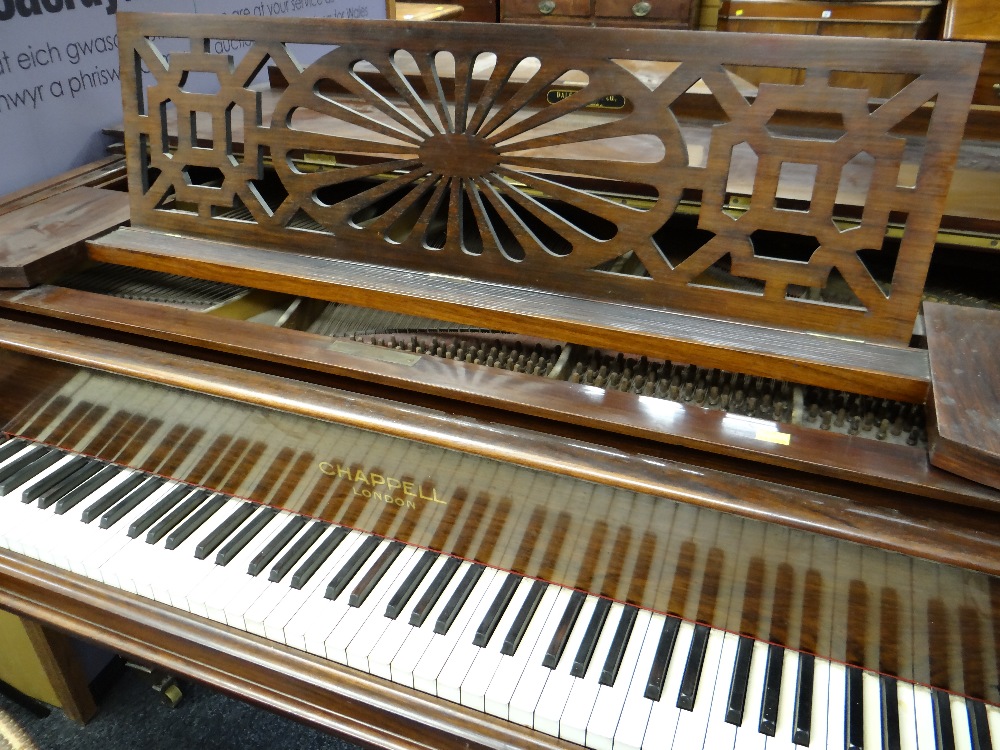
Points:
x=561, y=159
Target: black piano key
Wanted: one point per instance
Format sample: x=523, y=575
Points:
x=581, y=662
x=553, y=654
x=738, y=686
x=245, y=535
x=889, y=699
x=194, y=522
x=661, y=659
x=374, y=574
x=426, y=603
x=29, y=470
x=350, y=569
x=772, y=690
x=18, y=464
x=175, y=516
x=402, y=595
x=524, y=615
x=278, y=543
x=802, y=721
x=162, y=507
x=11, y=447
x=943, y=729
x=492, y=617
x=979, y=728
x=609, y=673
x=130, y=503
x=55, y=479
x=77, y=495
x=297, y=550
x=89, y=469
x=458, y=598
x=223, y=531
x=688, y=693
x=306, y=571
x=109, y=499
x=855, y=726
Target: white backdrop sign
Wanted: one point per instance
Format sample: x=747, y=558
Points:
x=59, y=82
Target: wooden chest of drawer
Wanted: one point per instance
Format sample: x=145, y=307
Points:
x=661, y=14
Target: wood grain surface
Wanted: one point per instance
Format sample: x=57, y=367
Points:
x=434, y=179
x=44, y=239
x=965, y=430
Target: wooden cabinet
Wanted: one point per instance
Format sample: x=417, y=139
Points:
x=883, y=19
x=978, y=21
x=661, y=14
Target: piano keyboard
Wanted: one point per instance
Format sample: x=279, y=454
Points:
x=585, y=668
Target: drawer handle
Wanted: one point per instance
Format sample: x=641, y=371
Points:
x=641, y=8
x=545, y=7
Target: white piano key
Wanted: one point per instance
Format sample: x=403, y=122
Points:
x=457, y=641
x=872, y=696
x=295, y=600
x=308, y=628
x=554, y=694
x=583, y=690
x=837, y=702
x=692, y=726
x=98, y=563
x=417, y=640
x=785, y=726
x=631, y=729
x=237, y=607
x=820, y=703
x=664, y=714
x=472, y=685
x=379, y=646
x=923, y=711
x=907, y=716
x=748, y=735
x=993, y=719
x=511, y=669
x=230, y=582
x=372, y=610
x=607, y=712
x=960, y=723
x=256, y=614
x=721, y=735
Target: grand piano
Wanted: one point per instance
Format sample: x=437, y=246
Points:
x=445, y=393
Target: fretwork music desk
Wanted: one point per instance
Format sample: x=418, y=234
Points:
x=447, y=396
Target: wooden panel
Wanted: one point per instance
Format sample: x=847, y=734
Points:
x=497, y=195
x=870, y=462
x=964, y=435
x=890, y=371
x=976, y=20
x=42, y=240
x=102, y=173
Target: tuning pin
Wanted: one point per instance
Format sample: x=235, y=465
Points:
x=855, y=426
x=914, y=435
x=841, y=416
x=869, y=422
x=883, y=429
x=827, y=419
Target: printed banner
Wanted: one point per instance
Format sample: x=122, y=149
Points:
x=59, y=83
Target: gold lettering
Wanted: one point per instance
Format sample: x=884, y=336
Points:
x=327, y=468
x=343, y=473
x=362, y=477
x=431, y=497
x=408, y=489
x=393, y=484
x=376, y=478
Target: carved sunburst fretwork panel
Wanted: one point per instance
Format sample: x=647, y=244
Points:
x=536, y=157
